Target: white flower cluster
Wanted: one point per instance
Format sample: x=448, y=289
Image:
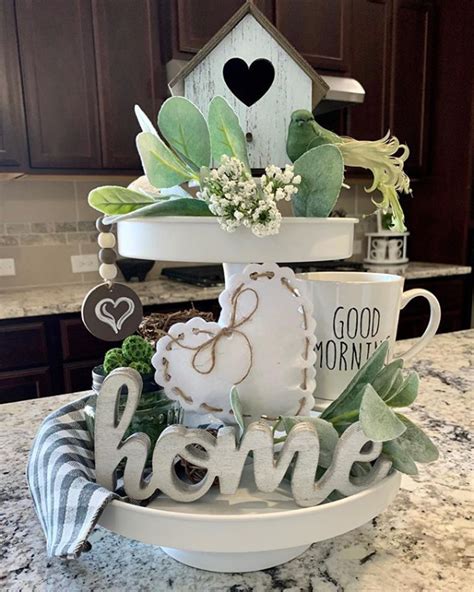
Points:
x=237, y=199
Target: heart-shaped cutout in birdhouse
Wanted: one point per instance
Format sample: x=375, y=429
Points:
x=263, y=343
x=249, y=83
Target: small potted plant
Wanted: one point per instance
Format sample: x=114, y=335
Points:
x=155, y=411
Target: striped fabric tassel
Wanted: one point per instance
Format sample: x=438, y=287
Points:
x=61, y=478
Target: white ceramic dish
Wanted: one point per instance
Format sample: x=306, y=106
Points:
x=201, y=239
x=248, y=531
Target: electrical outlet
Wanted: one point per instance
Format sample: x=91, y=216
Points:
x=7, y=267
x=84, y=263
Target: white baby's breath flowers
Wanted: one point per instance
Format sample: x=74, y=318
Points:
x=237, y=199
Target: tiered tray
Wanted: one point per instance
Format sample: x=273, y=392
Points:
x=249, y=531
x=191, y=238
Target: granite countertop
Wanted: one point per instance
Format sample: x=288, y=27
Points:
x=419, y=544
x=29, y=302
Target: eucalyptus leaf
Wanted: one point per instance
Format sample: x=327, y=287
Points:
x=407, y=393
x=117, y=200
x=384, y=380
x=396, y=385
x=349, y=399
x=142, y=185
x=236, y=406
x=185, y=129
x=170, y=206
x=416, y=443
x=227, y=136
x=322, y=173
x=400, y=458
x=327, y=435
x=162, y=167
x=176, y=191
x=378, y=421
x=144, y=121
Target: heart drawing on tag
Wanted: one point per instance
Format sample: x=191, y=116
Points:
x=106, y=315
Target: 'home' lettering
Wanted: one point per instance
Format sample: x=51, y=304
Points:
x=222, y=456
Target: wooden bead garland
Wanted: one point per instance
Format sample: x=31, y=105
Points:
x=110, y=311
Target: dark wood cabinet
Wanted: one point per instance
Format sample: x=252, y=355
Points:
x=129, y=72
x=194, y=22
x=59, y=80
x=23, y=344
x=320, y=30
x=19, y=385
x=74, y=70
x=77, y=375
x=393, y=62
x=370, y=65
x=84, y=65
x=13, y=153
x=77, y=343
x=455, y=297
x=411, y=77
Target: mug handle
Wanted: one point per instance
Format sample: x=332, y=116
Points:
x=433, y=323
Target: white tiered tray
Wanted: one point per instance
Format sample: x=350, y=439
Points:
x=248, y=531
x=193, y=238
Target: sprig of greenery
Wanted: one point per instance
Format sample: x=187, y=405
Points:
x=373, y=397
x=182, y=150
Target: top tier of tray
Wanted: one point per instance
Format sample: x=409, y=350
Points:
x=190, y=238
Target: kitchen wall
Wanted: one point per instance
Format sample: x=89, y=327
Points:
x=44, y=220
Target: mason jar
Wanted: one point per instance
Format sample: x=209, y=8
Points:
x=154, y=413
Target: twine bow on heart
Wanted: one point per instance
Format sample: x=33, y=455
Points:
x=213, y=341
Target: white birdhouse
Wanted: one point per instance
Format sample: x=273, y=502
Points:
x=260, y=74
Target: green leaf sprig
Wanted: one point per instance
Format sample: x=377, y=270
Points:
x=184, y=158
x=373, y=397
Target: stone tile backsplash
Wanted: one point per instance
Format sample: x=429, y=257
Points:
x=48, y=233
x=45, y=220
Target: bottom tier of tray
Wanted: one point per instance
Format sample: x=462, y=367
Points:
x=248, y=531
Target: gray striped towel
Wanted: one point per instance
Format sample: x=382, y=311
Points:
x=61, y=477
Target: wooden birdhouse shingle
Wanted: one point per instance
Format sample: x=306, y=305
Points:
x=260, y=74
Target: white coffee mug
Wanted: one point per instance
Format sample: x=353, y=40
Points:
x=395, y=248
x=355, y=312
x=379, y=249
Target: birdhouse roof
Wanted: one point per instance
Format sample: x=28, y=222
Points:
x=320, y=87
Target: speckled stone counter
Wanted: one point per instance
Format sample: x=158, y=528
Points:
x=419, y=544
x=41, y=301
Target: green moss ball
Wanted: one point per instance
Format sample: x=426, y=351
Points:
x=136, y=349
x=113, y=359
x=142, y=367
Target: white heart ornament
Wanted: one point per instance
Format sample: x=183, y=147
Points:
x=263, y=343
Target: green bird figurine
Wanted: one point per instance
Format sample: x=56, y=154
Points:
x=384, y=158
x=305, y=133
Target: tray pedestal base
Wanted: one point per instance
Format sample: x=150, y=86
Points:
x=235, y=562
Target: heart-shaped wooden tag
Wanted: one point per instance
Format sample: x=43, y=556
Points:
x=248, y=83
x=263, y=343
